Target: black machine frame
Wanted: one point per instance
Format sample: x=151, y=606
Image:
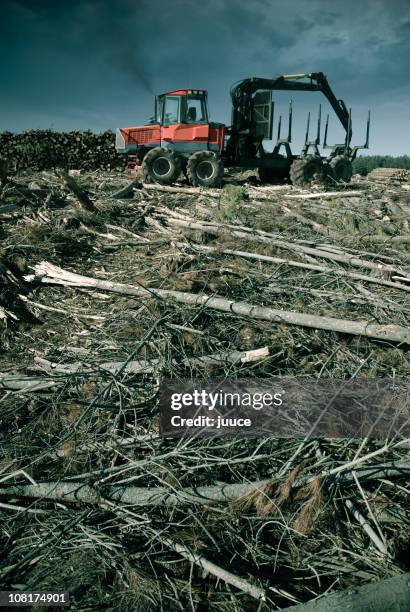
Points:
x=252, y=121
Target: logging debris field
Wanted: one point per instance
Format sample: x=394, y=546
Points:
x=106, y=284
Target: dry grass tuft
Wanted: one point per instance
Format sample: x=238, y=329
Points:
x=311, y=508
x=260, y=500
x=284, y=491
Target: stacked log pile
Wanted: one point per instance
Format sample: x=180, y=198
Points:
x=45, y=149
x=389, y=174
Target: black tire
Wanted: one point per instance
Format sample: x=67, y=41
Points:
x=206, y=169
x=304, y=169
x=340, y=169
x=161, y=166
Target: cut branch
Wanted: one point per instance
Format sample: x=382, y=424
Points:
x=220, y=573
x=50, y=274
x=127, y=191
x=296, y=264
x=347, y=259
x=81, y=195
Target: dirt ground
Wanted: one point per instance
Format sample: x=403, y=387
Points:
x=79, y=370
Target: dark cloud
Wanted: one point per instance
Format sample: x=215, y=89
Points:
x=89, y=63
x=324, y=17
x=403, y=29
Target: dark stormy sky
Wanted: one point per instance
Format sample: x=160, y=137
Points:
x=96, y=64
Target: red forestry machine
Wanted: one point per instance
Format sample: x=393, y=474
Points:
x=180, y=137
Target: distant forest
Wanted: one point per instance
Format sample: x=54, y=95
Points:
x=365, y=164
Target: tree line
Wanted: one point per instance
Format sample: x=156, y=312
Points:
x=366, y=163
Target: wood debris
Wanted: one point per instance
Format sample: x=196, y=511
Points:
x=107, y=286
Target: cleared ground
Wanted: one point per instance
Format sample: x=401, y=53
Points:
x=79, y=378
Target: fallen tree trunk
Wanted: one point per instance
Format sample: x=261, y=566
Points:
x=25, y=383
x=221, y=229
x=295, y=264
x=211, y=193
x=135, y=496
x=147, y=365
x=254, y=192
x=70, y=491
x=325, y=194
x=318, y=227
x=184, y=214
x=181, y=213
x=48, y=273
x=403, y=239
x=127, y=191
x=81, y=195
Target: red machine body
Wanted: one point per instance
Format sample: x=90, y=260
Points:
x=181, y=138
x=181, y=123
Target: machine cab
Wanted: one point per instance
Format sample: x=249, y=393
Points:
x=183, y=119
x=187, y=106
x=180, y=122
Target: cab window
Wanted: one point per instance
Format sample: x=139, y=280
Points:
x=172, y=110
x=159, y=105
x=196, y=109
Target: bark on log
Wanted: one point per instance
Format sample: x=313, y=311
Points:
x=134, y=496
x=48, y=273
x=70, y=491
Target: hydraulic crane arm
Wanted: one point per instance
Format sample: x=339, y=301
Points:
x=242, y=91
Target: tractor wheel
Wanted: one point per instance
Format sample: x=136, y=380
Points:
x=205, y=168
x=161, y=166
x=304, y=169
x=340, y=169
